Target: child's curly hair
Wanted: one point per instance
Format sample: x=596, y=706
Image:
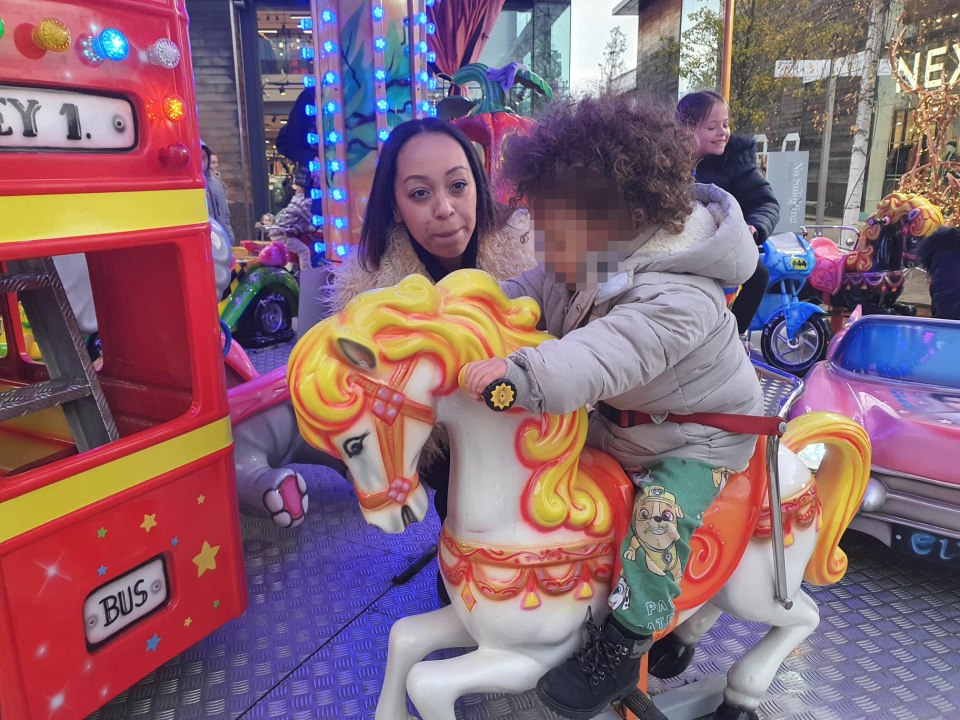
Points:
x=633, y=141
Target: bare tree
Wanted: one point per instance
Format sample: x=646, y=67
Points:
x=876, y=31
x=613, y=52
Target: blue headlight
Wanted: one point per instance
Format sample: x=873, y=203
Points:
x=112, y=45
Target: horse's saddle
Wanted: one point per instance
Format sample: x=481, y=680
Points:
x=827, y=274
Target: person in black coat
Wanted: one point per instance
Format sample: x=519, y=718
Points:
x=940, y=257
x=729, y=162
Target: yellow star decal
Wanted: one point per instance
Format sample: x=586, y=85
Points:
x=200, y=499
x=206, y=560
x=149, y=522
x=187, y=622
x=502, y=396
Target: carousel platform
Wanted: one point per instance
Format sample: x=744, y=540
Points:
x=312, y=644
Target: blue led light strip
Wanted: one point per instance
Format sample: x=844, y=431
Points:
x=331, y=132
x=381, y=106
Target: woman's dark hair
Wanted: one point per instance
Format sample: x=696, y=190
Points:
x=695, y=107
x=378, y=219
x=634, y=142
x=207, y=152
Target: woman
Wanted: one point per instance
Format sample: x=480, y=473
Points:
x=217, y=205
x=729, y=162
x=430, y=212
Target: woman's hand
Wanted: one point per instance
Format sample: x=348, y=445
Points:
x=477, y=375
x=752, y=229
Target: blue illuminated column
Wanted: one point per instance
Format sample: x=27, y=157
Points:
x=421, y=30
x=332, y=148
x=381, y=104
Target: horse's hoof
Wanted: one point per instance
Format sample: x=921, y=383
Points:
x=288, y=502
x=734, y=712
x=669, y=657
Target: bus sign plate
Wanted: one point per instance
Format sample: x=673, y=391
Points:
x=42, y=119
x=121, y=602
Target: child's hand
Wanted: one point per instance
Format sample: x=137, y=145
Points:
x=477, y=375
x=630, y=554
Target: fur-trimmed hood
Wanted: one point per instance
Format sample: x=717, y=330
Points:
x=714, y=243
x=504, y=254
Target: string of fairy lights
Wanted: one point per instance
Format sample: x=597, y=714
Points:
x=330, y=201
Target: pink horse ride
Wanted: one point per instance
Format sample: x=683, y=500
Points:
x=532, y=537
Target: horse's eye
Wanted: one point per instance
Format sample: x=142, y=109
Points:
x=354, y=446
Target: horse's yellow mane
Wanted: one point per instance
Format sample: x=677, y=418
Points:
x=464, y=318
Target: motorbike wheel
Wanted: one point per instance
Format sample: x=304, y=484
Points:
x=795, y=356
x=268, y=319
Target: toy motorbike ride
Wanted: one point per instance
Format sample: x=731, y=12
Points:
x=263, y=296
x=795, y=334
x=872, y=273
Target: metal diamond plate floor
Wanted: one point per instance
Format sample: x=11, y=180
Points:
x=312, y=644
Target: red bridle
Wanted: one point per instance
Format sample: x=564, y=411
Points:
x=387, y=403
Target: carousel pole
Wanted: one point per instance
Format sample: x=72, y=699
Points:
x=727, y=49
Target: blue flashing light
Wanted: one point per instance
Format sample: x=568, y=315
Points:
x=341, y=249
x=431, y=29
x=309, y=81
x=431, y=56
x=330, y=107
x=383, y=135
x=433, y=110
x=422, y=46
x=329, y=46
x=378, y=12
x=314, y=166
x=425, y=106
x=313, y=138
x=320, y=247
x=316, y=194
x=422, y=18
x=380, y=74
x=339, y=223
x=338, y=195
x=432, y=83
x=317, y=221
x=112, y=45
x=328, y=16
x=334, y=137
x=310, y=110
x=306, y=53
x=335, y=166
x=430, y=3
x=306, y=24
x=423, y=76
x=380, y=43
x=329, y=77
x=406, y=50
x=382, y=105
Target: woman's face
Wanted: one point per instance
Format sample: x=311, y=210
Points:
x=714, y=131
x=436, y=196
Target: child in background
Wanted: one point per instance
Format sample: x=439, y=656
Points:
x=729, y=162
x=634, y=258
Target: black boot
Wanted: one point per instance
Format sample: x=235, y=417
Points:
x=604, y=670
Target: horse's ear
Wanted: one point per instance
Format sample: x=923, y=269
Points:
x=358, y=355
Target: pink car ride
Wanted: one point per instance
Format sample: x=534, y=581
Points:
x=899, y=377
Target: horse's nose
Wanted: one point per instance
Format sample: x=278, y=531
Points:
x=406, y=514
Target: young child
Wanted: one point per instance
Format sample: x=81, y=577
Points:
x=634, y=257
x=730, y=162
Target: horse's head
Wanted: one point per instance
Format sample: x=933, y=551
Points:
x=901, y=221
x=364, y=383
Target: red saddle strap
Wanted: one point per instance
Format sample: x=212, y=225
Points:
x=745, y=424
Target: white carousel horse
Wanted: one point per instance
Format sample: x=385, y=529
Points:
x=532, y=536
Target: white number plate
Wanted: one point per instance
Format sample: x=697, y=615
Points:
x=38, y=119
x=121, y=602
